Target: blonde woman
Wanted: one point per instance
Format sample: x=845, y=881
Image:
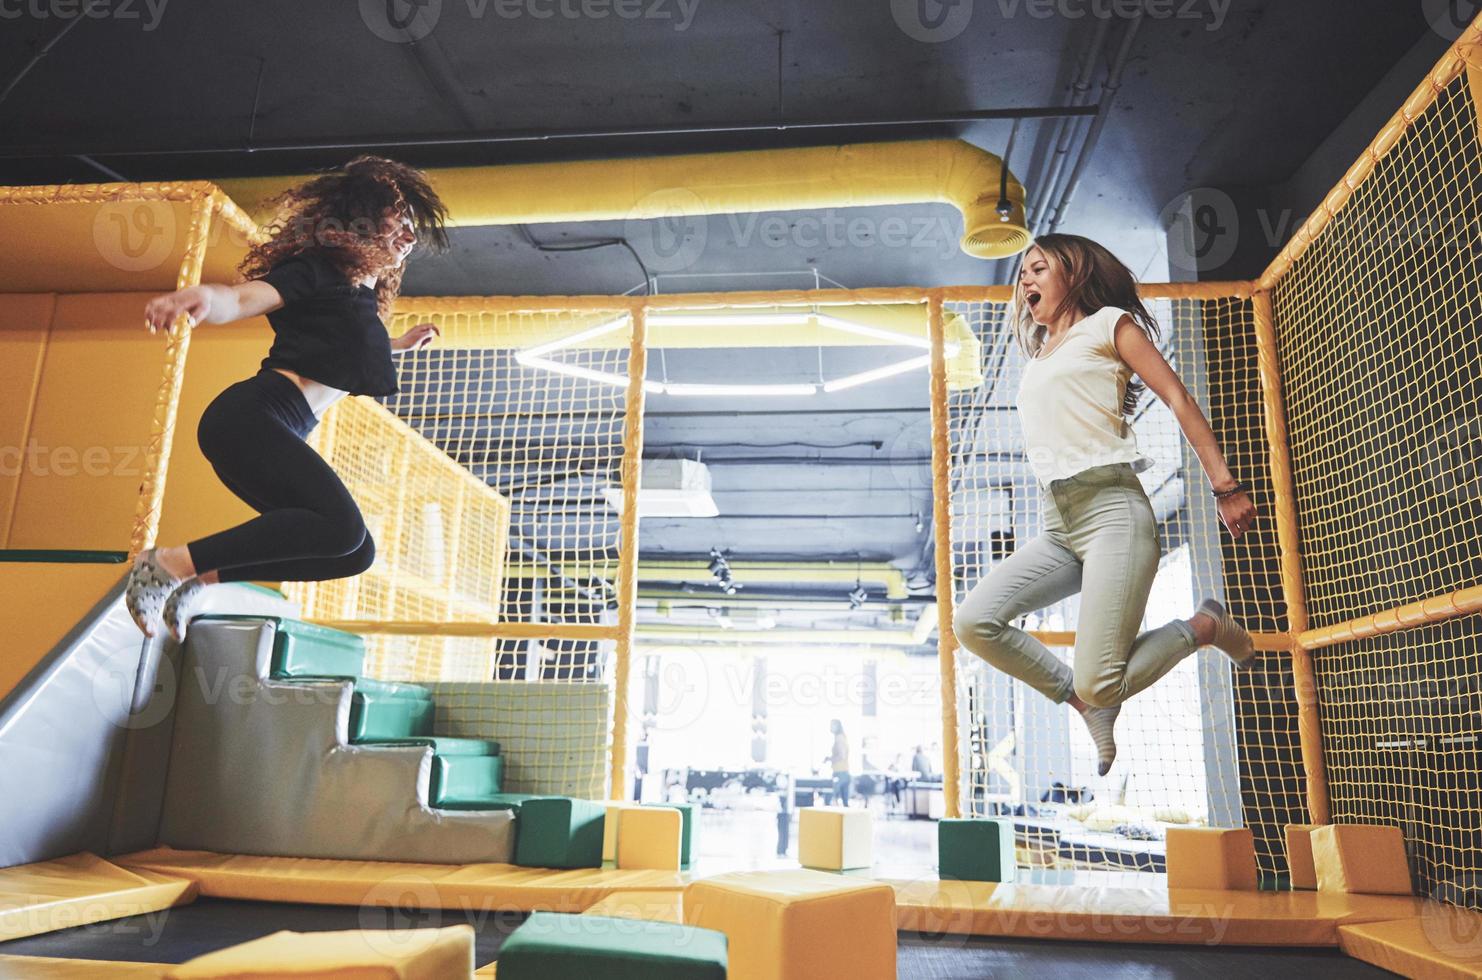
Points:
x=1085, y=332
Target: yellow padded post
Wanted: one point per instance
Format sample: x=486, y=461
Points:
x=1299, y=855
x=1211, y=857
x=798, y=925
x=610, y=829
x=649, y=837
x=355, y=954
x=834, y=838
x=1362, y=859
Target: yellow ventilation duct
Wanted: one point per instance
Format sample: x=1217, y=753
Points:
x=854, y=175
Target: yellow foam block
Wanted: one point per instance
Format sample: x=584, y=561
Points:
x=1364, y=859
x=833, y=838
x=1211, y=858
x=610, y=829
x=1442, y=943
x=647, y=906
x=649, y=837
x=798, y=925
x=1299, y=855
x=78, y=890
x=355, y=954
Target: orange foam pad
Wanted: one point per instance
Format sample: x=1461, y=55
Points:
x=325, y=882
x=1211, y=857
x=1362, y=859
x=648, y=837
x=55, y=968
x=1138, y=915
x=610, y=828
x=648, y=906
x=1299, y=854
x=798, y=925
x=353, y=954
x=80, y=889
x=1442, y=943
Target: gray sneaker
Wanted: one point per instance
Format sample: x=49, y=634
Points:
x=1229, y=635
x=148, y=587
x=179, y=607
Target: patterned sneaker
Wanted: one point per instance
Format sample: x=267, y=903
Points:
x=1100, y=722
x=178, y=607
x=1229, y=635
x=148, y=587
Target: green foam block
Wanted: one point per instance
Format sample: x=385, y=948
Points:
x=303, y=649
x=687, y=830
x=493, y=801
x=553, y=946
x=559, y=832
x=458, y=777
x=976, y=850
x=376, y=716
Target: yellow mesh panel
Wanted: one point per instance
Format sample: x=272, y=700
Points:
x=1379, y=327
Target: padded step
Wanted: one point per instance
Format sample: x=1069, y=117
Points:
x=303, y=650
x=494, y=801
x=441, y=745
x=381, y=716
x=391, y=689
x=464, y=777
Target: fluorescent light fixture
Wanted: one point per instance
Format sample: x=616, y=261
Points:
x=560, y=343
x=665, y=319
x=587, y=374
x=693, y=390
x=865, y=377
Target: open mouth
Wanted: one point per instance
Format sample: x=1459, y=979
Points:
x=1032, y=298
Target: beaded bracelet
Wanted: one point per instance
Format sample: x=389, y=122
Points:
x=1239, y=487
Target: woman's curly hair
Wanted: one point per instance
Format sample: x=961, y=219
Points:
x=340, y=212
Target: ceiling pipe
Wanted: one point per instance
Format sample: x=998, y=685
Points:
x=852, y=175
x=1109, y=89
x=1066, y=128
x=385, y=143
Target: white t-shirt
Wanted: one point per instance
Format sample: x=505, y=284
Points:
x=1070, y=403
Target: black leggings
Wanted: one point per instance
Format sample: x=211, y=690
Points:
x=310, y=529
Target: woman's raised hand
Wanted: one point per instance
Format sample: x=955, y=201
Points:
x=161, y=311
x=416, y=338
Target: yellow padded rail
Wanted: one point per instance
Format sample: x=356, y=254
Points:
x=323, y=882
x=353, y=954
x=57, y=968
x=81, y=889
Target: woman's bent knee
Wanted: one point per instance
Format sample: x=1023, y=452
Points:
x=1100, y=694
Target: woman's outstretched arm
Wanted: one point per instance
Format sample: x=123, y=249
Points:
x=1144, y=358
x=212, y=303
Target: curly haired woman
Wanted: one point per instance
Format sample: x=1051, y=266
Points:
x=326, y=277
x=1080, y=322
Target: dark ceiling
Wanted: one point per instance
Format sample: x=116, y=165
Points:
x=1230, y=95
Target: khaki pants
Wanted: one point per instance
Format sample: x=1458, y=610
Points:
x=1101, y=539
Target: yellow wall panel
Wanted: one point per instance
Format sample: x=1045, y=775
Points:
x=91, y=425
x=25, y=320
x=43, y=602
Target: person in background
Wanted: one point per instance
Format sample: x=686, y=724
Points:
x=921, y=764
x=839, y=760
